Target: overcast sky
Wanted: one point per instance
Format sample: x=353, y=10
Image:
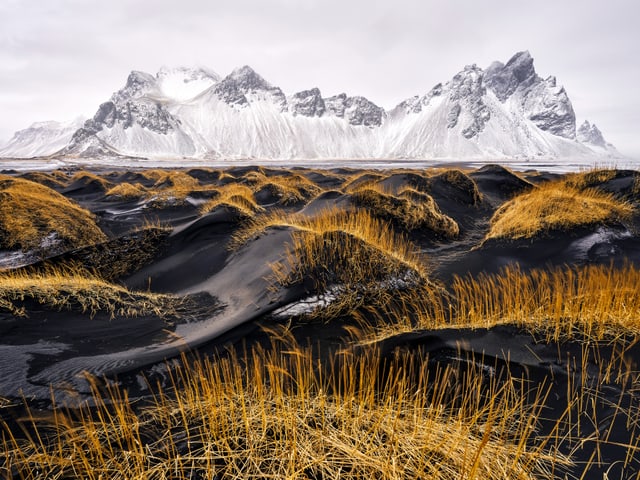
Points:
x=62, y=58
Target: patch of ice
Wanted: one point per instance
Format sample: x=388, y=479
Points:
x=15, y=259
x=115, y=212
x=602, y=236
x=50, y=241
x=307, y=305
x=196, y=202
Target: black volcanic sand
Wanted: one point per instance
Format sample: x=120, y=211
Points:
x=232, y=298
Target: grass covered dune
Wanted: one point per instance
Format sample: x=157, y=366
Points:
x=310, y=324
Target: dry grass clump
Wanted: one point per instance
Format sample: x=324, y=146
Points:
x=170, y=187
x=91, y=178
x=361, y=180
x=291, y=189
x=77, y=290
x=353, y=247
x=121, y=256
x=635, y=189
x=176, y=179
x=287, y=187
x=591, y=178
x=596, y=302
x=358, y=224
x=54, y=179
x=352, y=257
x=590, y=302
x=160, y=188
x=32, y=215
x=555, y=206
x=234, y=196
x=410, y=209
x=461, y=182
x=127, y=190
x=282, y=417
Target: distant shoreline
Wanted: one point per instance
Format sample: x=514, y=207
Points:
x=547, y=165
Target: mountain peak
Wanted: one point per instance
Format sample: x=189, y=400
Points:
x=518, y=72
x=138, y=81
x=589, y=133
x=308, y=103
x=248, y=79
x=244, y=84
x=521, y=65
x=242, y=71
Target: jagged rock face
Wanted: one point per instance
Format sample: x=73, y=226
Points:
x=453, y=115
x=467, y=91
x=244, y=85
x=138, y=84
x=416, y=104
x=504, y=80
x=549, y=107
x=464, y=96
x=336, y=105
x=590, y=134
x=308, y=103
x=129, y=107
x=356, y=110
x=135, y=105
x=543, y=102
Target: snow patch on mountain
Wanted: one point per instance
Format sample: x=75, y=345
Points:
x=182, y=83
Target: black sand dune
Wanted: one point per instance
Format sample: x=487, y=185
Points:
x=176, y=249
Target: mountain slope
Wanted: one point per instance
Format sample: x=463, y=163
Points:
x=41, y=139
x=506, y=110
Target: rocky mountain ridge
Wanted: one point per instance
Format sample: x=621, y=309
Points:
x=502, y=111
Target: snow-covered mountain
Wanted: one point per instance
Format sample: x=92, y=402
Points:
x=505, y=110
x=41, y=139
x=591, y=136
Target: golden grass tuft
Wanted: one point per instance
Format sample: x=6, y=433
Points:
x=362, y=179
x=596, y=303
x=171, y=186
x=591, y=178
x=460, y=181
x=291, y=189
x=52, y=180
x=30, y=213
x=282, y=417
x=127, y=190
x=88, y=177
x=236, y=197
x=164, y=188
x=351, y=256
x=288, y=187
x=359, y=225
x=555, y=206
x=410, y=209
x=170, y=178
x=79, y=290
